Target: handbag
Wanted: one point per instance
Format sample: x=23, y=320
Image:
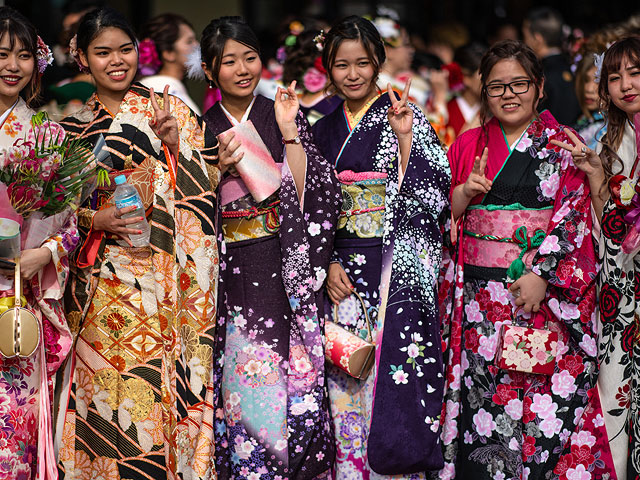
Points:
x=346, y=350
x=528, y=349
x=22, y=327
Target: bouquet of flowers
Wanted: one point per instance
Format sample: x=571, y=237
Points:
x=44, y=172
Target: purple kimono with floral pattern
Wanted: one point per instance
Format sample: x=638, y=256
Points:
x=272, y=420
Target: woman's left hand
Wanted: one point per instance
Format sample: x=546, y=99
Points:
x=286, y=107
x=33, y=260
x=533, y=289
x=163, y=124
x=400, y=115
x=584, y=158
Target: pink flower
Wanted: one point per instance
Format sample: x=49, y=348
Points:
x=550, y=426
x=543, y=405
x=578, y=473
x=314, y=80
x=563, y=384
x=514, y=408
x=483, y=421
x=583, y=437
x=148, y=57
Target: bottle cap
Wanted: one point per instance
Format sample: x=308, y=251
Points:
x=120, y=179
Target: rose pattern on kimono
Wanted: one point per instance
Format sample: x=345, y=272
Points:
x=501, y=424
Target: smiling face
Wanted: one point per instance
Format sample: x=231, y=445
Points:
x=112, y=60
x=624, y=87
x=240, y=70
x=353, y=73
x=17, y=67
x=514, y=111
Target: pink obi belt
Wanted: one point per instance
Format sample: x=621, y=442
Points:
x=496, y=236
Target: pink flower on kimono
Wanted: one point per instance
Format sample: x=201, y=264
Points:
x=549, y=187
x=513, y=408
x=563, y=384
x=543, y=405
x=472, y=309
x=578, y=473
x=483, y=421
x=588, y=344
x=598, y=421
x=583, y=437
x=549, y=245
x=550, y=426
x=488, y=346
x=448, y=472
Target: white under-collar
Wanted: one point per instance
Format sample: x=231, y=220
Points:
x=245, y=116
x=4, y=116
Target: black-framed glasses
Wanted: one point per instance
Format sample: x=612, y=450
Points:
x=517, y=87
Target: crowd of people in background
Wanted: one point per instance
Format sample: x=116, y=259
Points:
x=369, y=257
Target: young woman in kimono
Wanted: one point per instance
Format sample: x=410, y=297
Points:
x=395, y=184
x=26, y=384
x=141, y=402
x=272, y=418
x=619, y=286
x=524, y=247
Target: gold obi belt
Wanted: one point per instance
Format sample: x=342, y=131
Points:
x=504, y=236
x=363, y=199
x=255, y=222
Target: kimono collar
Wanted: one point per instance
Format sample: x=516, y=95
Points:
x=354, y=118
x=245, y=116
x=4, y=116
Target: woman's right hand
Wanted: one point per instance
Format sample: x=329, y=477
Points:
x=478, y=183
x=338, y=283
x=110, y=220
x=227, y=154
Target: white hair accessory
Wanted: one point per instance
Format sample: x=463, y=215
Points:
x=597, y=61
x=194, y=64
x=384, y=11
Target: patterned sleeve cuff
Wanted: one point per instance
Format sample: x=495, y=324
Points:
x=85, y=218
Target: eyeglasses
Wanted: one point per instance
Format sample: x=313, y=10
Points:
x=517, y=87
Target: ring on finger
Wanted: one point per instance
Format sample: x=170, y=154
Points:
x=583, y=149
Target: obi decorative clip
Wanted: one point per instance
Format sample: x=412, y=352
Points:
x=528, y=349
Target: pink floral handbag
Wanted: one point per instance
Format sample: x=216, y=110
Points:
x=347, y=351
x=528, y=349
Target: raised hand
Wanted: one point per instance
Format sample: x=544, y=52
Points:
x=286, y=108
x=163, y=124
x=400, y=115
x=478, y=183
x=227, y=154
x=584, y=158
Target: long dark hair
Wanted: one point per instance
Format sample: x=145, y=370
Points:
x=97, y=20
x=22, y=32
x=628, y=48
x=215, y=36
x=164, y=30
x=353, y=28
x=504, y=50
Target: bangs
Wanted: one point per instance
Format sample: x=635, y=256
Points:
x=19, y=35
x=628, y=48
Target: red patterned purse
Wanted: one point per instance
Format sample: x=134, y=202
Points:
x=528, y=349
x=347, y=351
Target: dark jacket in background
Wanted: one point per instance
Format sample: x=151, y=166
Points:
x=560, y=96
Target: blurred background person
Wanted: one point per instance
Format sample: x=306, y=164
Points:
x=542, y=30
x=303, y=63
x=463, y=109
x=168, y=40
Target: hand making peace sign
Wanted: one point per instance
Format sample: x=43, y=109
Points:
x=286, y=106
x=400, y=114
x=163, y=124
x=478, y=182
x=584, y=158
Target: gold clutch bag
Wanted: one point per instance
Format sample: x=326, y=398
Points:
x=19, y=327
x=347, y=351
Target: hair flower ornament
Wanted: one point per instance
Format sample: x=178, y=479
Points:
x=319, y=40
x=149, y=59
x=43, y=56
x=73, y=51
x=389, y=30
x=597, y=60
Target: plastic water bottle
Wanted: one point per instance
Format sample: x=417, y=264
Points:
x=127, y=195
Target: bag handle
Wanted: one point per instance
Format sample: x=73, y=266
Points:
x=364, y=309
x=540, y=318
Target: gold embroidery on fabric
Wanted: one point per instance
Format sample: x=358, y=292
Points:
x=141, y=393
x=363, y=209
